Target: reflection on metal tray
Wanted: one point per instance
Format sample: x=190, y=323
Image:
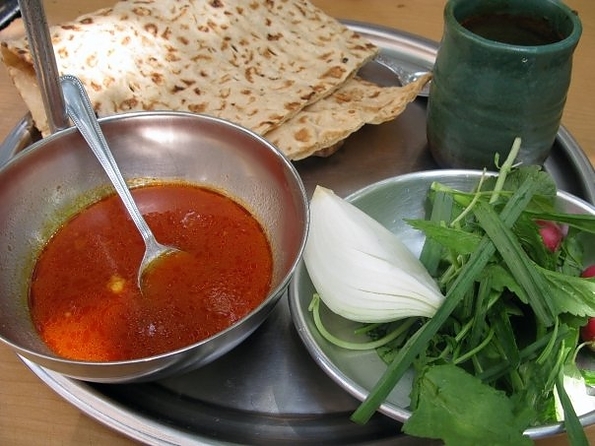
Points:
x=269, y=390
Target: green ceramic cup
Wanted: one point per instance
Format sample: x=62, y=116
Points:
x=485, y=92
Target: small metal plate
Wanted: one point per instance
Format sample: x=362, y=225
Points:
x=269, y=390
x=391, y=202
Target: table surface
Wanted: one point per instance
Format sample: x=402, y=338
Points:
x=31, y=413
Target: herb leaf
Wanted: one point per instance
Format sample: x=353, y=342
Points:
x=459, y=240
x=458, y=408
x=573, y=295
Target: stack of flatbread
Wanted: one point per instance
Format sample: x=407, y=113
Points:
x=281, y=68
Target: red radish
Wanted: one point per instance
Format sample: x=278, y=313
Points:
x=551, y=234
x=589, y=271
x=588, y=331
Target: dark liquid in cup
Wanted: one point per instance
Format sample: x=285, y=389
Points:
x=513, y=29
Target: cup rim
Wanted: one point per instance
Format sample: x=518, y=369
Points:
x=569, y=41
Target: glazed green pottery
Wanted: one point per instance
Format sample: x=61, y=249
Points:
x=507, y=78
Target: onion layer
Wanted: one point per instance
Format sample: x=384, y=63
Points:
x=360, y=269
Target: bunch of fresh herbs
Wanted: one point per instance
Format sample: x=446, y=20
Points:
x=490, y=360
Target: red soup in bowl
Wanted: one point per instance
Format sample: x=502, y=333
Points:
x=84, y=298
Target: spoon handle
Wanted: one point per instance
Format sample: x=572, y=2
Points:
x=44, y=61
x=80, y=110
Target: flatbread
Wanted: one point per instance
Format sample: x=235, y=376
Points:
x=254, y=62
x=319, y=128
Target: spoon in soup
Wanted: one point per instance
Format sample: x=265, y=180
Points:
x=80, y=111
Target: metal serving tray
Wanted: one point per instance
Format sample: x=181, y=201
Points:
x=269, y=390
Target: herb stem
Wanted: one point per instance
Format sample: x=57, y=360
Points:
x=548, y=350
x=469, y=208
x=506, y=169
x=476, y=349
x=366, y=328
x=463, y=331
x=494, y=372
x=349, y=345
x=441, y=211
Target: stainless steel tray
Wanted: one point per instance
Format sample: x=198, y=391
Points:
x=269, y=390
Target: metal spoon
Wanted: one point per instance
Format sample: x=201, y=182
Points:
x=405, y=72
x=80, y=111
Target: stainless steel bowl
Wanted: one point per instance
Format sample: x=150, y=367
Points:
x=49, y=181
x=390, y=201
